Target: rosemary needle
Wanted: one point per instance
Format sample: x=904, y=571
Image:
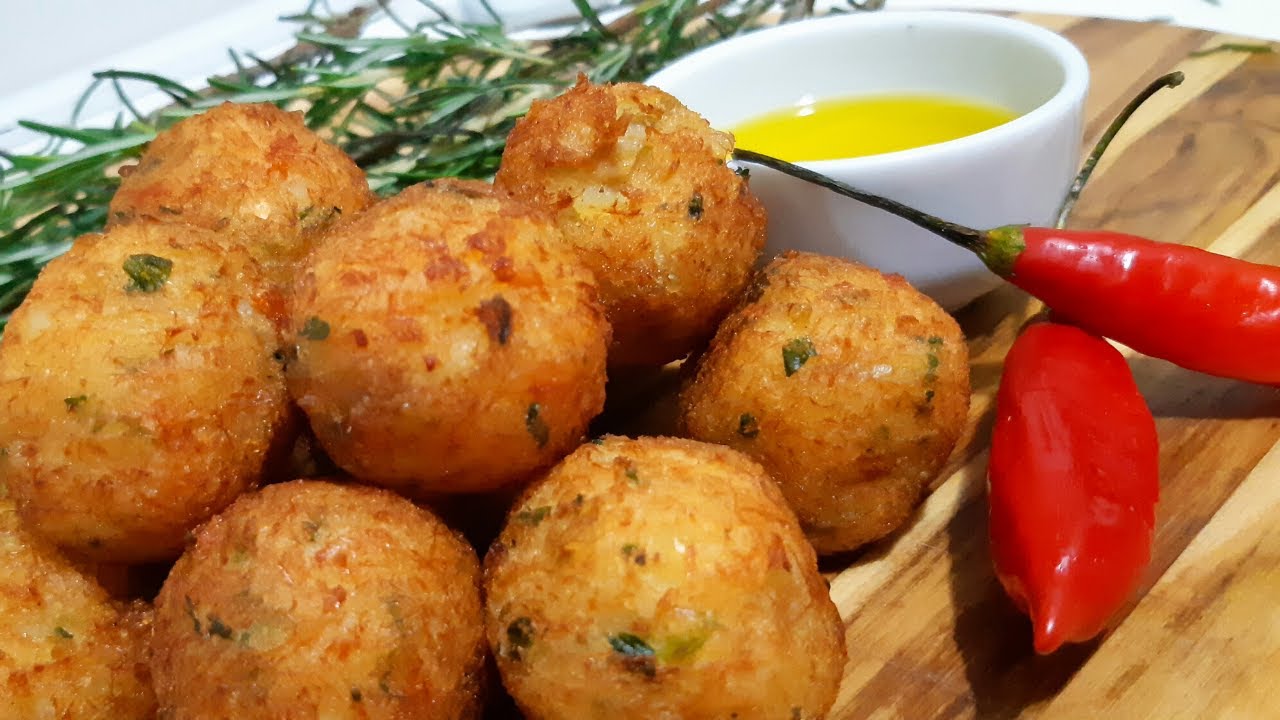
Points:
x=437, y=102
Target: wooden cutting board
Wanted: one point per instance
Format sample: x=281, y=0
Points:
x=930, y=634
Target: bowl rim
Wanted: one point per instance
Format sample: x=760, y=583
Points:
x=1069, y=96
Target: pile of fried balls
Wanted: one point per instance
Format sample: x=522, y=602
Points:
x=358, y=444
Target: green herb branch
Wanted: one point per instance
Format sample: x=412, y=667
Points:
x=437, y=102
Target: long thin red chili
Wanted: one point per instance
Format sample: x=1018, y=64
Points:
x=1203, y=311
x=1074, y=480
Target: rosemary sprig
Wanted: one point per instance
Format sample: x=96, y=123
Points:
x=437, y=102
x=1233, y=47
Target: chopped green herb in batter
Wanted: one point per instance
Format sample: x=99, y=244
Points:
x=536, y=426
x=147, y=273
x=314, y=329
x=519, y=637
x=796, y=353
x=534, y=516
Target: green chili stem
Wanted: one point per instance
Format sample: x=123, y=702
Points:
x=1173, y=79
x=980, y=242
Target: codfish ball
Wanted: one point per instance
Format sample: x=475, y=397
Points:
x=660, y=578
x=253, y=172
x=639, y=186
x=141, y=391
x=447, y=342
x=851, y=387
x=312, y=599
x=67, y=652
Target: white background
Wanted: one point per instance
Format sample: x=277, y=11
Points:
x=49, y=48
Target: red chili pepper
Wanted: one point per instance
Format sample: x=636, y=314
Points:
x=1073, y=482
x=1203, y=311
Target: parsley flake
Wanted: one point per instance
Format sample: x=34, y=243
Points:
x=534, y=516
x=630, y=645
x=536, y=426
x=314, y=329
x=519, y=637
x=748, y=426
x=219, y=628
x=147, y=273
x=74, y=402
x=796, y=353
x=637, y=656
x=695, y=206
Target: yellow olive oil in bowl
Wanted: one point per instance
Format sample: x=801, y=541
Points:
x=837, y=128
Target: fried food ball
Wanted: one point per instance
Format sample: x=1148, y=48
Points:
x=849, y=386
x=253, y=172
x=638, y=183
x=312, y=599
x=66, y=652
x=660, y=578
x=140, y=391
x=447, y=342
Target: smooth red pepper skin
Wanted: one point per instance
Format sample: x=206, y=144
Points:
x=1073, y=481
x=1204, y=311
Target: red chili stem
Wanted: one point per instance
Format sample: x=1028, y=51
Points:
x=1173, y=79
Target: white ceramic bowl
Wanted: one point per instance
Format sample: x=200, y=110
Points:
x=1013, y=173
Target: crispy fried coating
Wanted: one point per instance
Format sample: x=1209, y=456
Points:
x=312, y=599
x=638, y=183
x=447, y=342
x=660, y=578
x=140, y=392
x=66, y=651
x=851, y=387
x=253, y=172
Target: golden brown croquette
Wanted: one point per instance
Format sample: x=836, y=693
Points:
x=447, y=342
x=849, y=386
x=252, y=172
x=312, y=599
x=660, y=578
x=638, y=184
x=141, y=391
x=67, y=652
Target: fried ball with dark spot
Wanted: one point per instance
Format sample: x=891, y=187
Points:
x=67, y=652
x=660, y=578
x=638, y=183
x=141, y=391
x=311, y=599
x=851, y=387
x=253, y=172
x=448, y=342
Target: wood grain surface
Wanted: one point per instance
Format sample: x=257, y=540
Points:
x=930, y=634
